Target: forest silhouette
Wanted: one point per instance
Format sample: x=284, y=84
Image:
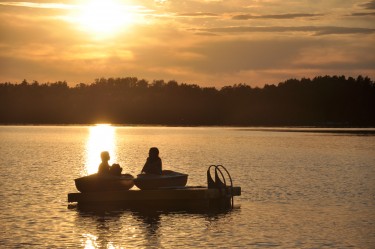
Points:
x=321, y=101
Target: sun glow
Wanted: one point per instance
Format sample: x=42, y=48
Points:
x=104, y=17
x=102, y=138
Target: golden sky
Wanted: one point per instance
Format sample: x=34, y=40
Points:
x=205, y=42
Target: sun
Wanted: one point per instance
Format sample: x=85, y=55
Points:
x=104, y=17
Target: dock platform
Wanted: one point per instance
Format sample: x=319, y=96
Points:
x=185, y=198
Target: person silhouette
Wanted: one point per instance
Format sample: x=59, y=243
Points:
x=104, y=166
x=105, y=169
x=153, y=163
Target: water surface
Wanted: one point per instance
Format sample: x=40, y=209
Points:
x=300, y=189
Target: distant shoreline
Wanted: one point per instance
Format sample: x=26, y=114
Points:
x=336, y=130
x=328, y=101
x=307, y=129
x=115, y=124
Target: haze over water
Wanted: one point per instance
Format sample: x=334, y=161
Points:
x=305, y=189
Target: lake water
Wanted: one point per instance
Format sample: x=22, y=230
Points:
x=305, y=189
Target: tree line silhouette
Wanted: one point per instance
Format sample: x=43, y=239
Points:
x=321, y=101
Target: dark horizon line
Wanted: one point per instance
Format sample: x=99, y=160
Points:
x=256, y=127
x=96, y=80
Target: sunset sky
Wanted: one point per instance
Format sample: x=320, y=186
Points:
x=205, y=42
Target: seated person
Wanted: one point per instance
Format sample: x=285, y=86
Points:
x=104, y=166
x=153, y=163
x=115, y=170
x=105, y=169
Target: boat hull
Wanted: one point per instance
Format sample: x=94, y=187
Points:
x=97, y=183
x=168, y=179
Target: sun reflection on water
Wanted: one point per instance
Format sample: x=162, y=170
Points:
x=101, y=138
x=89, y=241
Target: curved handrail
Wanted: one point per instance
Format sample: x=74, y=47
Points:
x=231, y=183
x=215, y=183
x=210, y=181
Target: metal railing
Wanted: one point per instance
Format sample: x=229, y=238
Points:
x=220, y=184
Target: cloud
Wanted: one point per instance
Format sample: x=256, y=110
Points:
x=332, y=30
x=281, y=16
x=261, y=60
x=38, y=5
x=363, y=14
x=190, y=41
x=206, y=34
x=197, y=14
x=369, y=5
x=317, y=30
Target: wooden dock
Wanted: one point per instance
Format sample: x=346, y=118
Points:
x=182, y=198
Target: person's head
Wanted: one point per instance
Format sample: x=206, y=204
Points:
x=105, y=156
x=153, y=152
